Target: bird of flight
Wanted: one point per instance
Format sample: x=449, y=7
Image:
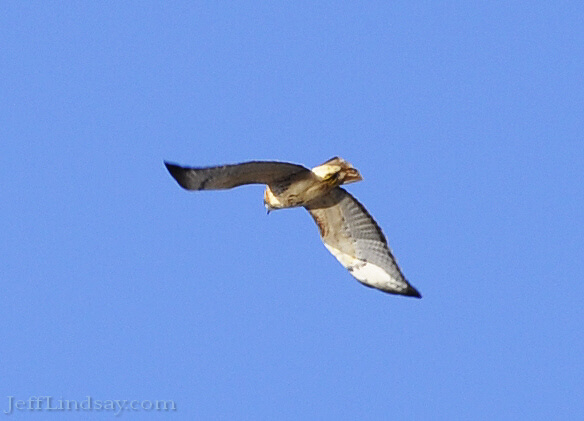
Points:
x=346, y=228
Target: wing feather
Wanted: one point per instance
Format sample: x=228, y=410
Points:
x=229, y=176
x=350, y=233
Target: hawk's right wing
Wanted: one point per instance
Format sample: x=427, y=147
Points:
x=229, y=176
x=354, y=238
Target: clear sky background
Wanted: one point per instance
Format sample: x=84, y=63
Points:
x=466, y=120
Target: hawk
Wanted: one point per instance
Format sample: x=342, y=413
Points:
x=346, y=228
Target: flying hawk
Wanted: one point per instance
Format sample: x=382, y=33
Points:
x=346, y=228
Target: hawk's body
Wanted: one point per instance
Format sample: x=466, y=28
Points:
x=346, y=228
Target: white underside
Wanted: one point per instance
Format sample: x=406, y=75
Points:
x=367, y=272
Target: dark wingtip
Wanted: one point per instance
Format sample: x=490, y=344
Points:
x=412, y=292
x=171, y=167
x=178, y=173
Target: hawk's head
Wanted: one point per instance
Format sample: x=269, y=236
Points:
x=337, y=171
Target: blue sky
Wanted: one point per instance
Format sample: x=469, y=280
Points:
x=466, y=120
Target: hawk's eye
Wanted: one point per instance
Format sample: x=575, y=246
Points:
x=332, y=177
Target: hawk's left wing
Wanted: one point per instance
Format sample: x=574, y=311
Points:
x=355, y=239
x=233, y=175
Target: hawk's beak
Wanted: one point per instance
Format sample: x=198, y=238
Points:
x=352, y=176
